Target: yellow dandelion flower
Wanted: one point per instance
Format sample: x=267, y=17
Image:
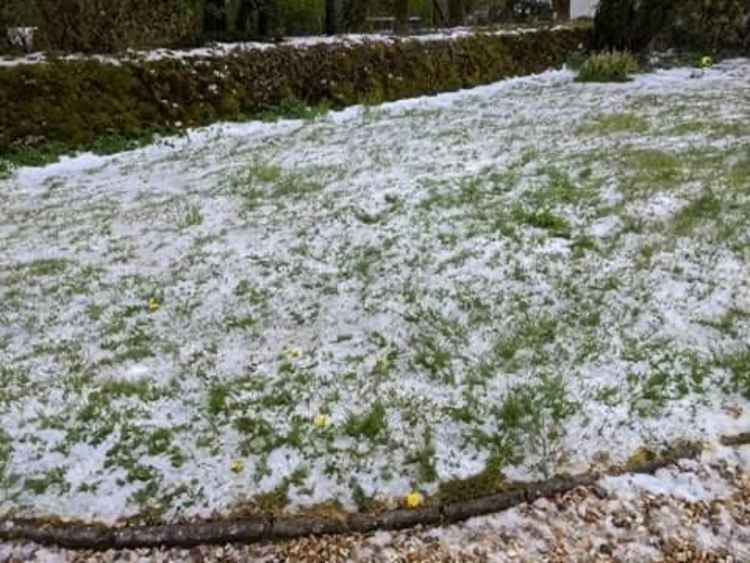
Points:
x=322, y=421
x=153, y=305
x=294, y=353
x=237, y=466
x=414, y=500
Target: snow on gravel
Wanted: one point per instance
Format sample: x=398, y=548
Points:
x=581, y=525
x=533, y=276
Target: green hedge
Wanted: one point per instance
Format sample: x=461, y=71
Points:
x=75, y=102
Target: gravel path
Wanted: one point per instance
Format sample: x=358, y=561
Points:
x=692, y=512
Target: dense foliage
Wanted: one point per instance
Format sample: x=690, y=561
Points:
x=693, y=24
x=105, y=25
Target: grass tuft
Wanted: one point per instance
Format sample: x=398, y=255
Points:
x=608, y=66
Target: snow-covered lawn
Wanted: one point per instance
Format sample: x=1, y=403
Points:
x=531, y=277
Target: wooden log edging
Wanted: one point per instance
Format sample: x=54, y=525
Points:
x=267, y=527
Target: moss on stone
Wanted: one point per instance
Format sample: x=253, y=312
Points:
x=488, y=482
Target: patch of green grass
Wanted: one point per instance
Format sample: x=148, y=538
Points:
x=609, y=124
x=113, y=144
x=251, y=426
x=655, y=392
x=727, y=322
x=45, y=267
x=371, y=425
x=266, y=173
x=159, y=441
x=738, y=367
x=250, y=294
x=217, y=399
x=259, y=436
x=94, y=311
x=609, y=395
x=140, y=472
x=608, y=66
x=192, y=217
x=32, y=156
x=6, y=452
x=712, y=129
x=582, y=245
x=739, y=175
x=293, y=108
x=50, y=153
x=558, y=189
x=141, y=389
x=425, y=460
x=705, y=208
x=364, y=502
x=240, y=322
x=273, y=501
x=364, y=260
x=384, y=364
x=434, y=357
x=544, y=219
x=262, y=182
x=137, y=344
x=53, y=478
x=531, y=334
x=486, y=483
x=477, y=196
x=6, y=169
x=649, y=170
x=531, y=417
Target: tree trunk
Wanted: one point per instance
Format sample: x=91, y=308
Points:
x=214, y=18
x=355, y=15
x=272, y=14
x=330, y=22
x=562, y=9
x=401, y=12
x=438, y=17
x=455, y=12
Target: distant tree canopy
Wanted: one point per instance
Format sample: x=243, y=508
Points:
x=110, y=25
x=694, y=24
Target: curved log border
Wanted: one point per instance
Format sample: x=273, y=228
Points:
x=267, y=527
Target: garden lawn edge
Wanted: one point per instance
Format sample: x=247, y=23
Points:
x=272, y=527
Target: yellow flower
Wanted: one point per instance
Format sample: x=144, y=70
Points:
x=414, y=500
x=321, y=421
x=294, y=353
x=706, y=62
x=237, y=466
x=153, y=305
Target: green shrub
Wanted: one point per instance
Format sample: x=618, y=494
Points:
x=608, y=66
x=104, y=25
x=76, y=102
x=692, y=24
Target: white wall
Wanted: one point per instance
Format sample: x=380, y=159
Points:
x=582, y=8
